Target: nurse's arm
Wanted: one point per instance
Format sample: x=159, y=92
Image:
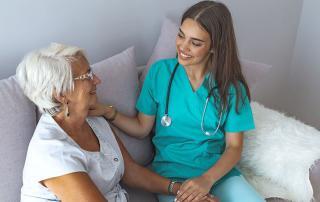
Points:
x=138, y=126
x=229, y=158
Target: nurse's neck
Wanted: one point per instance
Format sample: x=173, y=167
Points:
x=196, y=72
x=196, y=75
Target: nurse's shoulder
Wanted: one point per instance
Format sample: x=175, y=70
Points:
x=163, y=66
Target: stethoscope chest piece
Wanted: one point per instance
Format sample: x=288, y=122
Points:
x=166, y=120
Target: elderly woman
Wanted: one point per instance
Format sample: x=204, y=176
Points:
x=72, y=157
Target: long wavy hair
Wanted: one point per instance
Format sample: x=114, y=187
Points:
x=223, y=64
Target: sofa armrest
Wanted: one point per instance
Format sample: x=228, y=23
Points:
x=314, y=176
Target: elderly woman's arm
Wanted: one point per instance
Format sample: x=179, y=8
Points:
x=74, y=187
x=140, y=177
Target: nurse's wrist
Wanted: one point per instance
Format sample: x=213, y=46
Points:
x=111, y=113
x=209, y=177
x=173, y=187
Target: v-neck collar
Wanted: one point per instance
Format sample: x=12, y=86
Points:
x=202, y=89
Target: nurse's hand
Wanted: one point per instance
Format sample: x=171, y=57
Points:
x=99, y=109
x=207, y=198
x=210, y=198
x=194, y=189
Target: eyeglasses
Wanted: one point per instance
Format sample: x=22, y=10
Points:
x=88, y=75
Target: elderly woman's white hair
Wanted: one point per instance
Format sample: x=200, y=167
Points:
x=45, y=71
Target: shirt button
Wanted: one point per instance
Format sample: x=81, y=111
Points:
x=116, y=159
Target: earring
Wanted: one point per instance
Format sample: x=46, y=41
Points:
x=66, y=111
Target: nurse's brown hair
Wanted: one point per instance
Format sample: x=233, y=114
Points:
x=223, y=65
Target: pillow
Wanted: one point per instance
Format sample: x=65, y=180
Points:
x=165, y=48
x=278, y=154
x=18, y=121
x=119, y=87
x=253, y=71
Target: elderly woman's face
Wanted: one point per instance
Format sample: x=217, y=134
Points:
x=85, y=85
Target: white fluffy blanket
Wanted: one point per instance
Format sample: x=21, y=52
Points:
x=277, y=155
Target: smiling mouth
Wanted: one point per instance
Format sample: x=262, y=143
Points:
x=184, y=55
x=93, y=92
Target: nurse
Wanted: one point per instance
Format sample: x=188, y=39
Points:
x=207, y=100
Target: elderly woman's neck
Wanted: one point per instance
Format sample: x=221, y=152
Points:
x=72, y=123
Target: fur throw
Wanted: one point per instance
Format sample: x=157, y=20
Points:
x=278, y=154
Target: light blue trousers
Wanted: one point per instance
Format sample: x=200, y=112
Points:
x=233, y=189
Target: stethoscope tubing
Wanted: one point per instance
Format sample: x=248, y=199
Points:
x=166, y=120
x=169, y=89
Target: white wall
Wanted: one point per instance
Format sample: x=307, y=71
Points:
x=266, y=32
x=304, y=79
x=101, y=27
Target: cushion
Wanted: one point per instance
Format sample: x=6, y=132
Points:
x=18, y=121
x=119, y=87
x=278, y=154
x=254, y=71
x=166, y=48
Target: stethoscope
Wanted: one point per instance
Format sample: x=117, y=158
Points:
x=166, y=119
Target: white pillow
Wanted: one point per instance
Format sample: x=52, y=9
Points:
x=278, y=154
x=119, y=87
x=166, y=48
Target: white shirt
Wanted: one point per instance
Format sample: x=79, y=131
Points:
x=53, y=153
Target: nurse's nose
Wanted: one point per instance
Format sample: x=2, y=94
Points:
x=185, y=46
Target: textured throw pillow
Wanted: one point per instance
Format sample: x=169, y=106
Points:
x=119, y=87
x=166, y=48
x=17, y=123
x=278, y=154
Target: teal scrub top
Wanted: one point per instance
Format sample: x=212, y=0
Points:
x=182, y=151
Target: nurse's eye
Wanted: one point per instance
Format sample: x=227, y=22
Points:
x=196, y=44
x=180, y=35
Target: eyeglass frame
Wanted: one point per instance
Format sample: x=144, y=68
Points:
x=89, y=75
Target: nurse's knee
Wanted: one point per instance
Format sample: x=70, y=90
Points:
x=236, y=189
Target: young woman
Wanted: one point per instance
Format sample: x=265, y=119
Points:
x=200, y=104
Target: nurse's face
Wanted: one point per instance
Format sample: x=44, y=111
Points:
x=193, y=44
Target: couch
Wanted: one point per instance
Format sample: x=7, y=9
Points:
x=280, y=157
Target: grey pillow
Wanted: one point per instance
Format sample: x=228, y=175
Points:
x=119, y=87
x=18, y=121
